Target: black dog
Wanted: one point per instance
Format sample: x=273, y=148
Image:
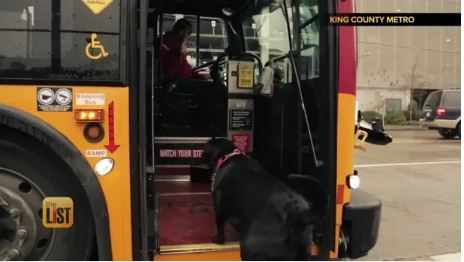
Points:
x=274, y=221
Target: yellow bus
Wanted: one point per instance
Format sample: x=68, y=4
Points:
x=98, y=161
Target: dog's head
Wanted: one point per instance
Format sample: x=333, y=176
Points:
x=215, y=149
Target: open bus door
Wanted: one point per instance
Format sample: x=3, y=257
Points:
x=300, y=134
x=184, y=216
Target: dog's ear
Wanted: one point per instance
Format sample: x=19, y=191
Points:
x=216, y=148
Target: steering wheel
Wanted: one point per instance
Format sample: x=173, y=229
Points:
x=207, y=64
x=214, y=66
x=256, y=57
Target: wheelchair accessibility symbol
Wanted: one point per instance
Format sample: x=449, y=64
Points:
x=95, y=50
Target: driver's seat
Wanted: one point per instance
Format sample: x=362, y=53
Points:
x=177, y=112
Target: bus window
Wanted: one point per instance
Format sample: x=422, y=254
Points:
x=47, y=39
x=168, y=23
x=309, y=39
x=212, y=37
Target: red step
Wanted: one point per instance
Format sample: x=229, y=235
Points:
x=186, y=214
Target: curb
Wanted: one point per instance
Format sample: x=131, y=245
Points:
x=412, y=128
x=444, y=257
x=448, y=257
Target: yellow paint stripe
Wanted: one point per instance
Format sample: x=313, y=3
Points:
x=345, y=160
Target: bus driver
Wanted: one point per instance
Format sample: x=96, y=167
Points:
x=180, y=77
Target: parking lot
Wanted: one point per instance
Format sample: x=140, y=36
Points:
x=418, y=179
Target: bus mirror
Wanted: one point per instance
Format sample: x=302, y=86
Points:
x=227, y=11
x=360, y=138
x=265, y=85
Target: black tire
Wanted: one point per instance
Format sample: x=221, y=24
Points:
x=447, y=133
x=42, y=169
x=458, y=130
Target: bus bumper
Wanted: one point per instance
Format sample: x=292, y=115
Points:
x=360, y=225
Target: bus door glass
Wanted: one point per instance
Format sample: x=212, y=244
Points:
x=309, y=39
x=211, y=37
x=266, y=34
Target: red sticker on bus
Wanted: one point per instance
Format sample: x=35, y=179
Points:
x=242, y=142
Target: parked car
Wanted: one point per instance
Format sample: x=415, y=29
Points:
x=442, y=111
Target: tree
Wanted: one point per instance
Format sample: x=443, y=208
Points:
x=413, y=80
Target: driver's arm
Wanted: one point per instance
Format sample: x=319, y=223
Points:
x=201, y=76
x=187, y=70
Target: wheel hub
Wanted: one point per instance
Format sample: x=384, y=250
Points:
x=22, y=235
x=343, y=243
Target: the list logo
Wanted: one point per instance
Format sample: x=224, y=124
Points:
x=57, y=212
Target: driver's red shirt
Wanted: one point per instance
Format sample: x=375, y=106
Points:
x=175, y=65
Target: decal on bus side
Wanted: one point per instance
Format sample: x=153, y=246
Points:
x=87, y=99
x=53, y=99
x=97, y=6
x=95, y=153
x=94, y=49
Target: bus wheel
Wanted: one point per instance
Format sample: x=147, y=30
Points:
x=343, y=245
x=447, y=133
x=458, y=130
x=29, y=172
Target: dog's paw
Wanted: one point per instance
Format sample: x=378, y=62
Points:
x=217, y=239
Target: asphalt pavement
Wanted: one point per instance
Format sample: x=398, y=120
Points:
x=417, y=177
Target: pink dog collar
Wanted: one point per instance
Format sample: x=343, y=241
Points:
x=223, y=159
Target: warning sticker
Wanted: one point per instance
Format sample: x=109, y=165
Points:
x=241, y=120
x=179, y=154
x=245, y=76
x=242, y=142
x=95, y=153
x=97, y=6
x=54, y=99
x=84, y=99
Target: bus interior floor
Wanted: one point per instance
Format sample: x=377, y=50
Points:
x=186, y=214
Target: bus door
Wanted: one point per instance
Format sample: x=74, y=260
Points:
x=180, y=181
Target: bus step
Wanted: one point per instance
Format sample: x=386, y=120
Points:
x=191, y=248
x=185, y=220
